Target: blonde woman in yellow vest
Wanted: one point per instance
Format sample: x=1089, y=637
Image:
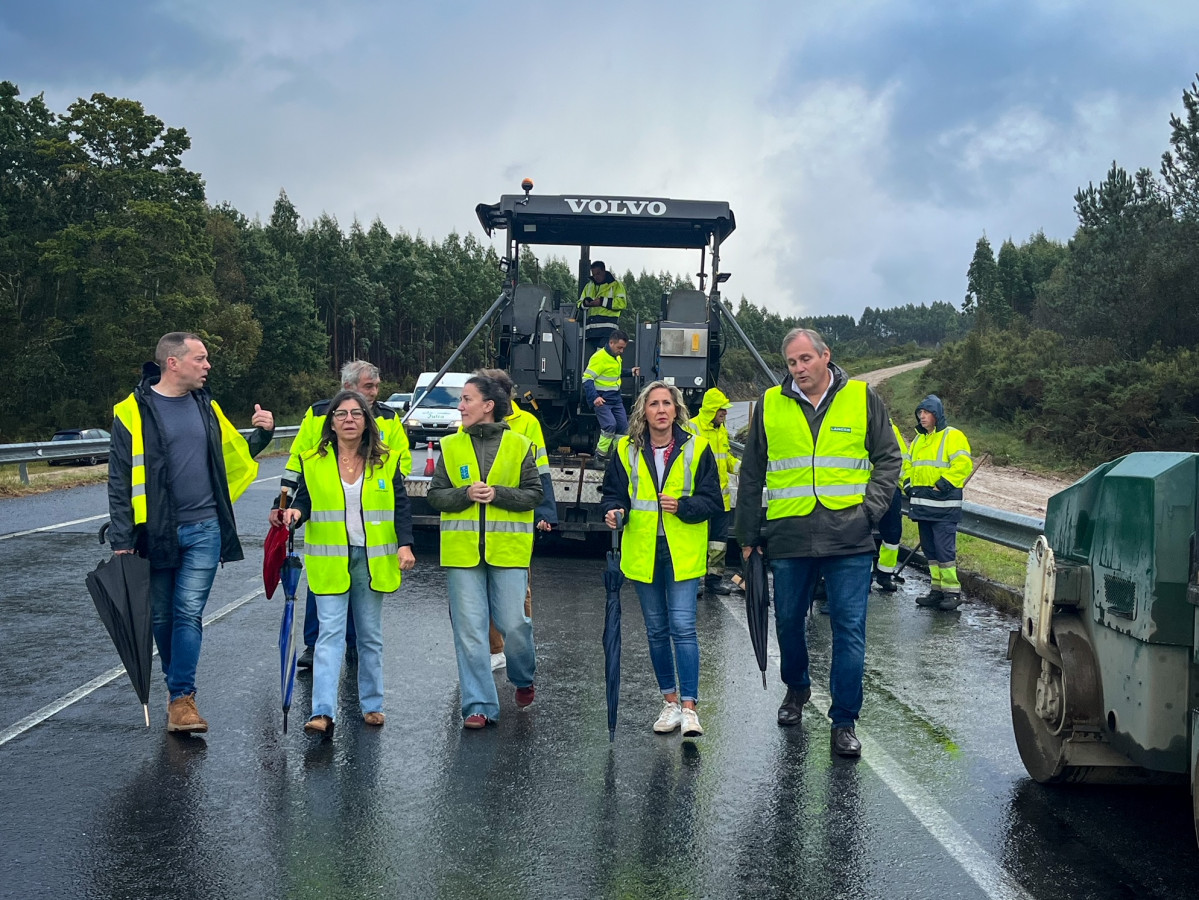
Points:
x=175, y=469
x=486, y=487
x=663, y=480
x=357, y=540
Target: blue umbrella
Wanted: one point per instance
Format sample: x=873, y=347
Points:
x=757, y=607
x=289, y=575
x=613, y=579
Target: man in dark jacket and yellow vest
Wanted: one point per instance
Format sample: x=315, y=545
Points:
x=822, y=446
x=175, y=468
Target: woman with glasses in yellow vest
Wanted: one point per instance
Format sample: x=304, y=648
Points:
x=357, y=540
x=663, y=480
x=486, y=487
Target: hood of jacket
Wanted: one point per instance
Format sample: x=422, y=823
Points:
x=714, y=401
x=932, y=403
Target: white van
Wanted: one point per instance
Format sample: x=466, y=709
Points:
x=434, y=413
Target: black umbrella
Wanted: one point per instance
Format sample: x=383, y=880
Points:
x=120, y=588
x=757, y=606
x=613, y=579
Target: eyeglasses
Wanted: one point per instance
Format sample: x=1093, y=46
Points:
x=340, y=414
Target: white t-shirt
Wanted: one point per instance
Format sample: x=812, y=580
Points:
x=354, y=528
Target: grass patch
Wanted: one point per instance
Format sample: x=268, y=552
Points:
x=43, y=477
x=1001, y=564
x=903, y=393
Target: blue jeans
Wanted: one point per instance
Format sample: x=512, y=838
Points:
x=847, y=579
x=177, y=600
x=312, y=623
x=330, y=649
x=668, y=607
x=612, y=416
x=478, y=596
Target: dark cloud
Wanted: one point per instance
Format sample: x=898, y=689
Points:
x=56, y=41
x=954, y=69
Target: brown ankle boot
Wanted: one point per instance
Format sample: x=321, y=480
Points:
x=183, y=716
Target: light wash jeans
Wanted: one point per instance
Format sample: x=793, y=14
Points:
x=330, y=651
x=478, y=596
x=847, y=579
x=668, y=607
x=177, y=601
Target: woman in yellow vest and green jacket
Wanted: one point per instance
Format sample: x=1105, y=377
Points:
x=663, y=479
x=486, y=487
x=357, y=540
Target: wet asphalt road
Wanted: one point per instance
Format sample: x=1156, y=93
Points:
x=96, y=805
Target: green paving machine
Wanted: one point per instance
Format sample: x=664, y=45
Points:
x=1105, y=664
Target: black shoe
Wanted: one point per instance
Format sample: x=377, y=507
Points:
x=715, y=585
x=950, y=601
x=352, y=656
x=305, y=660
x=846, y=743
x=791, y=711
x=932, y=599
x=886, y=583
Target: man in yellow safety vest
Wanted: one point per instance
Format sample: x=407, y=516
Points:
x=603, y=299
x=821, y=444
x=175, y=469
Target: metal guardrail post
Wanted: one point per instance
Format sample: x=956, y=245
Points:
x=23, y=468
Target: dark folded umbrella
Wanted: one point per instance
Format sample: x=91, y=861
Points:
x=613, y=580
x=120, y=588
x=757, y=607
x=289, y=574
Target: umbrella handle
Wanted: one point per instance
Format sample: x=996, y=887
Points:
x=616, y=530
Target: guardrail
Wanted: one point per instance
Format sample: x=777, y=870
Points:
x=23, y=454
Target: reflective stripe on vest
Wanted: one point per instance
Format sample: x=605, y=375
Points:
x=507, y=536
x=129, y=415
x=523, y=422
x=326, y=541
x=604, y=370
x=688, y=543
x=834, y=469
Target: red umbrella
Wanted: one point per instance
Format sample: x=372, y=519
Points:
x=274, y=552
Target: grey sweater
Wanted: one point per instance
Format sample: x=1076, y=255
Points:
x=825, y=532
x=485, y=437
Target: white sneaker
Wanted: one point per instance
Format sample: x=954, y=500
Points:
x=691, y=726
x=669, y=719
x=498, y=661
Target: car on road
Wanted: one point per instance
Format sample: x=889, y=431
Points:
x=434, y=411
x=94, y=457
x=398, y=402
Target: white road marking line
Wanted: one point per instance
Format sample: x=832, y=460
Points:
x=51, y=709
x=975, y=861
x=16, y=534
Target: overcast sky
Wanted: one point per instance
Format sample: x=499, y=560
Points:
x=864, y=146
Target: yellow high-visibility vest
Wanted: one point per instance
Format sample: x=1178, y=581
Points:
x=507, y=535
x=326, y=541
x=524, y=422
x=240, y=468
x=834, y=469
x=603, y=369
x=688, y=543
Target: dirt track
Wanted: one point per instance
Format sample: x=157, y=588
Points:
x=1002, y=487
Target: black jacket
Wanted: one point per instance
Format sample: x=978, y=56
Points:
x=705, y=503
x=824, y=532
x=157, y=539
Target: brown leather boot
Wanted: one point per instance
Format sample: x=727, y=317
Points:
x=183, y=716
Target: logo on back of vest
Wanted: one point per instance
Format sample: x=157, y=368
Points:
x=840, y=428
x=464, y=472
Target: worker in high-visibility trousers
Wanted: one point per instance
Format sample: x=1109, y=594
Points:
x=890, y=526
x=712, y=413
x=601, y=384
x=940, y=464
